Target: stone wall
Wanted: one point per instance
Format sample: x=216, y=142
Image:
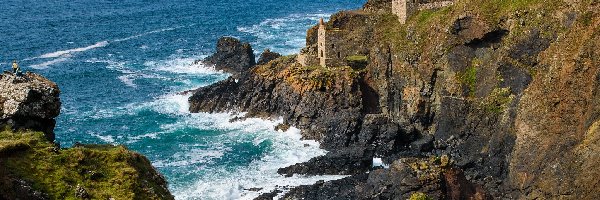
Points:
x=403, y=9
x=335, y=53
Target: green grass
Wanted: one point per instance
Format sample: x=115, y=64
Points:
x=105, y=171
x=419, y=196
x=469, y=76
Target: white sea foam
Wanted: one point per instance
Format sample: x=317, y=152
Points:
x=70, y=51
x=182, y=65
x=105, y=138
x=288, y=149
x=46, y=64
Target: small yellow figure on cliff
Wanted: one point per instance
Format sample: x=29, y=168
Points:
x=15, y=66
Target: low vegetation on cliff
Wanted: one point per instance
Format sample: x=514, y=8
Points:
x=81, y=172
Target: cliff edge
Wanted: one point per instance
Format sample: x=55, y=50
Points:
x=29, y=102
x=32, y=166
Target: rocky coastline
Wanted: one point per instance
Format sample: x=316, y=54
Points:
x=477, y=100
x=33, y=166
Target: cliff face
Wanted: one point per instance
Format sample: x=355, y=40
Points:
x=506, y=91
x=33, y=167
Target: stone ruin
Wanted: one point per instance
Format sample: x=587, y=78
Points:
x=333, y=51
x=405, y=8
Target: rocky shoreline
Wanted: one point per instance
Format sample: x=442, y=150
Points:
x=477, y=100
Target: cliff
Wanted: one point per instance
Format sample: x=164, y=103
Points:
x=482, y=99
x=29, y=102
x=32, y=166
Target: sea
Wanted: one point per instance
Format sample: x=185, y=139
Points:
x=121, y=65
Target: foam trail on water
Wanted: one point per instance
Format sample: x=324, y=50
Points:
x=64, y=54
x=147, y=33
x=70, y=51
x=46, y=64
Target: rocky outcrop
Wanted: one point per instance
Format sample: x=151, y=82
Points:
x=29, y=102
x=507, y=91
x=267, y=56
x=33, y=166
x=231, y=56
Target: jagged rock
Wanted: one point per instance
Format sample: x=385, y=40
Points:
x=267, y=56
x=29, y=102
x=340, y=162
x=232, y=56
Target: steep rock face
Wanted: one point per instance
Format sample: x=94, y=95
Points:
x=508, y=91
x=232, y=56
x=557, y=121
x=29, y=102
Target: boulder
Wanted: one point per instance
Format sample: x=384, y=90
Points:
x=267, y=56
x=232, y=56
x=29, y=102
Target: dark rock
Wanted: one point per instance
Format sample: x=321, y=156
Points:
x=81, y=193
x=254, y=189
x=232, y=56
x=338, y=189
x=269, y=195
x=15, y=188
x=282, y=127
x=267, y=56
x=341, y=162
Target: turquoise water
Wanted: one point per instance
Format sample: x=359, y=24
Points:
x=120, y=65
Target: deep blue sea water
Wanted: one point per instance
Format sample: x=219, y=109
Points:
x=121, y=63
